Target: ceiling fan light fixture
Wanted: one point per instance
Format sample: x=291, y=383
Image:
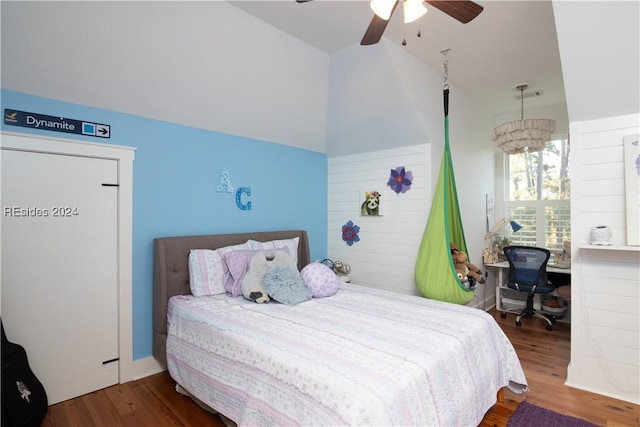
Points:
x=382, y=8
x=413, y=9
x=461, y=10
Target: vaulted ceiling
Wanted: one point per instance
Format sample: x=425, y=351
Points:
x=509, y=43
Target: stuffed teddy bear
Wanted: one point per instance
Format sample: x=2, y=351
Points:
x=465, y=269
x=342, y=270
x=462, y=270
x=259, y=265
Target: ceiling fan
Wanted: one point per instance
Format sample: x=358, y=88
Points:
x=461, y=10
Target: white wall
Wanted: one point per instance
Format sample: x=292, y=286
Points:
x=379, y=96
x=385, y=256
x=600, y=70
x=605, y=287
x=261, y=82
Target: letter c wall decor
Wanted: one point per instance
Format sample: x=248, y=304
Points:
x=243, y=206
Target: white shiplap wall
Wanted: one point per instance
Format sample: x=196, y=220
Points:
x=605, y=328
x=386, y=253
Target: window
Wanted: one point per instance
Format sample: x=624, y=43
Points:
x=538, y=194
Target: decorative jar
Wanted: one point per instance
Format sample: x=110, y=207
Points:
x=601, y=235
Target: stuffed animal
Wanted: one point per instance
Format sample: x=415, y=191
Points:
x=487, y=257
x=371, y=204
x=464, y=268
x=562, y=259
x=259, y=265
x=342, y=270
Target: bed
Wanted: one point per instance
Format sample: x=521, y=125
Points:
x=360, y=357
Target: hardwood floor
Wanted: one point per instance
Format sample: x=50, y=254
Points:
x=148, y=402
x=544, y=355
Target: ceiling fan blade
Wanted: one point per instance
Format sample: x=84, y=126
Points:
x=376, y=28
x=302, y=1
x=463, y=11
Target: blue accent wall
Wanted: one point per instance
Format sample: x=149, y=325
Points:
x=176, y=172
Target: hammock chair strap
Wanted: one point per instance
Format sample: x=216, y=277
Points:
x=445, y=96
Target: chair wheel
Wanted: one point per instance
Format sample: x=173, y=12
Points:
x=503, y=315
x=548, y=327
x=518, y=323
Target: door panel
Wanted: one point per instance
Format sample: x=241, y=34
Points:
x=59, y=268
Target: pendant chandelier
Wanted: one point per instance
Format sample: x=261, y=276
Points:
x=524, y=135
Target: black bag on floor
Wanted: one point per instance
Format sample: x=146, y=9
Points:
x=24, y=400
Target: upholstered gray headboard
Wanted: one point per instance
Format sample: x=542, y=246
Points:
x=171, y=270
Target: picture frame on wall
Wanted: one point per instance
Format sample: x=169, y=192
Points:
x=372, y=202
x=632, y=187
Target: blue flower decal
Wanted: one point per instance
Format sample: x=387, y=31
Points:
x=350, y=233
x=400, y=180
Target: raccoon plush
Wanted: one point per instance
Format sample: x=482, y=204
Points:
x=342, y=270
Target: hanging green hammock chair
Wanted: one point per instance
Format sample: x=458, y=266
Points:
x=435, y=275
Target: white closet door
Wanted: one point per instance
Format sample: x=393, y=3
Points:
x=59, y=268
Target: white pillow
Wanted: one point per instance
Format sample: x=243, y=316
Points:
x=237, y=263
x=290, y=244
x=208, y=271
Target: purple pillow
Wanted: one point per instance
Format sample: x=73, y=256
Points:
x=238, y=263
x=320, y=279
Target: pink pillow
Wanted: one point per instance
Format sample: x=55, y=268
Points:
x=320, y=279
x=207, y=270
x=237, y=263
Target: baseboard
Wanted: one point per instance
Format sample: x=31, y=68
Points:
x=482, y=302
x=621, y=388
x=144, y=367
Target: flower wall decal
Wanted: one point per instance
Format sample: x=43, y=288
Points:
x=400, y=180
x=350, y=233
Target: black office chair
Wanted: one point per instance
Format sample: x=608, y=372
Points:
x=528, y=273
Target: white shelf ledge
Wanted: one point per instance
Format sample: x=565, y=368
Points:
x=611, y=248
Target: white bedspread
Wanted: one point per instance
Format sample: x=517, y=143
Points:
x=361, y=357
